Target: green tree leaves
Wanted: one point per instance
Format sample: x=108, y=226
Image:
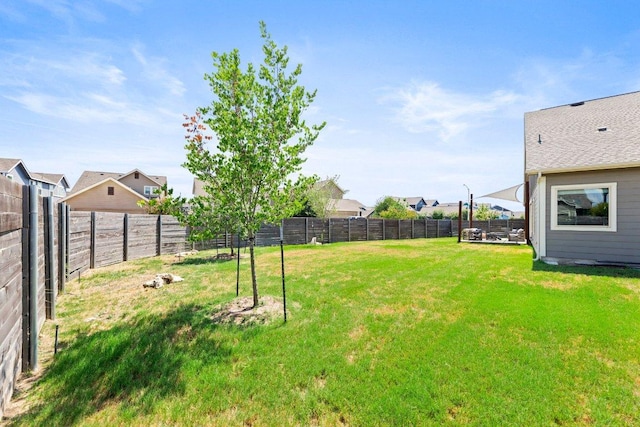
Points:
x=260, y=137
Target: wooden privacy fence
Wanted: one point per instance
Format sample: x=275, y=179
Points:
x=44, y=244
x=98, y=239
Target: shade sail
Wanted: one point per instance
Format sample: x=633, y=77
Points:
x=506, y=194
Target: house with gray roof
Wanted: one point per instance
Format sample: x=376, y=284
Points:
x=113, y=191
x=49, y=184
x=416, y=203
x=582, y=166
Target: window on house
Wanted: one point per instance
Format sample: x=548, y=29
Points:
x=9, y=176
x=584, y=207
x=110, y=191
x=149, y=190
x=136, y=175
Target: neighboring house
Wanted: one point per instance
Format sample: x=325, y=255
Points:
x=339, y=207
x=48, y=184
x=332, y=188
x=417, y=204
x=582, y=164
x=58, y=184
x=198, y=188
x=345, y=208
x=448, y=209
x=113, y=192
x=15, y=170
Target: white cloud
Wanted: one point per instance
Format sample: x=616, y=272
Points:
x=427, y=107
x=155, y=70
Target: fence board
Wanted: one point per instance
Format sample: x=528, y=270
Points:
x=358, y=230
x=79, y=242
x=174, y=235
x=268, y=235
x=339, y=231
x=142, y=236
x=11, y=267
x=109, y=238
x=295, y=231
x=318, y=228
x=41, y=297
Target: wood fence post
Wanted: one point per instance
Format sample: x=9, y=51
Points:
x=459, y=220
x=159, y=236
x=30, y=281
x=62, y=246
x=67, y=239
x=306, y=230
x=348, y=229
x=384, y=231
x=412, y=229
x=329, y=232
x=125, y=237
x=438, y=228
x=49, y=264
x=367, y=232
x=426, y=228
x=25, y=279
x=398, y=229
x=92, y=252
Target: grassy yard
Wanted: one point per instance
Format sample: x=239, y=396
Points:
x=420, y=332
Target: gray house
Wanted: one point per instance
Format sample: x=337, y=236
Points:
x=48, y=184
x=582, y=166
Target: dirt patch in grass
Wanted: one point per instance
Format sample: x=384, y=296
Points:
x=240, y=311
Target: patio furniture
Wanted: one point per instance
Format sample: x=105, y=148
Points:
x=516, y=235
x=471, y=234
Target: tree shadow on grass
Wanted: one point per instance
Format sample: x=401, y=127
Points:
x=208, y=260
x=137, y=364
x=589, y=270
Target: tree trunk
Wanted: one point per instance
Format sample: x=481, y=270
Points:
x=254, y=282
x=231, y=244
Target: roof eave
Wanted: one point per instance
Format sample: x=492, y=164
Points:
x=546, y=171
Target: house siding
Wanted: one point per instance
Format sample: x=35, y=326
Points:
x=138, y=184
x=96, y=199
x=623, y=245
x=20, y=175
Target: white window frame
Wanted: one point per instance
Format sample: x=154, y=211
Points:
x=613, y=207
x=151, y=189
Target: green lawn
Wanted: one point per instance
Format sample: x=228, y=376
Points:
x=411, y=332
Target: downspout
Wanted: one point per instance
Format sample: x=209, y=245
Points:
x=538, y=217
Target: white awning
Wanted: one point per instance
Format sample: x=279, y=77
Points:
x=506, y=194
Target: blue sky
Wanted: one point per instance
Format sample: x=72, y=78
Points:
x=420, y=97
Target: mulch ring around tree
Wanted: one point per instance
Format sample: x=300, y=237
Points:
x=240, y=311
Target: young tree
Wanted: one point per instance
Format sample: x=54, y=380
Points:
x=320, y=197
x=390, y=208
x=437, y=214
x=164, y=204
x=483, y=213
x=256, y=116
